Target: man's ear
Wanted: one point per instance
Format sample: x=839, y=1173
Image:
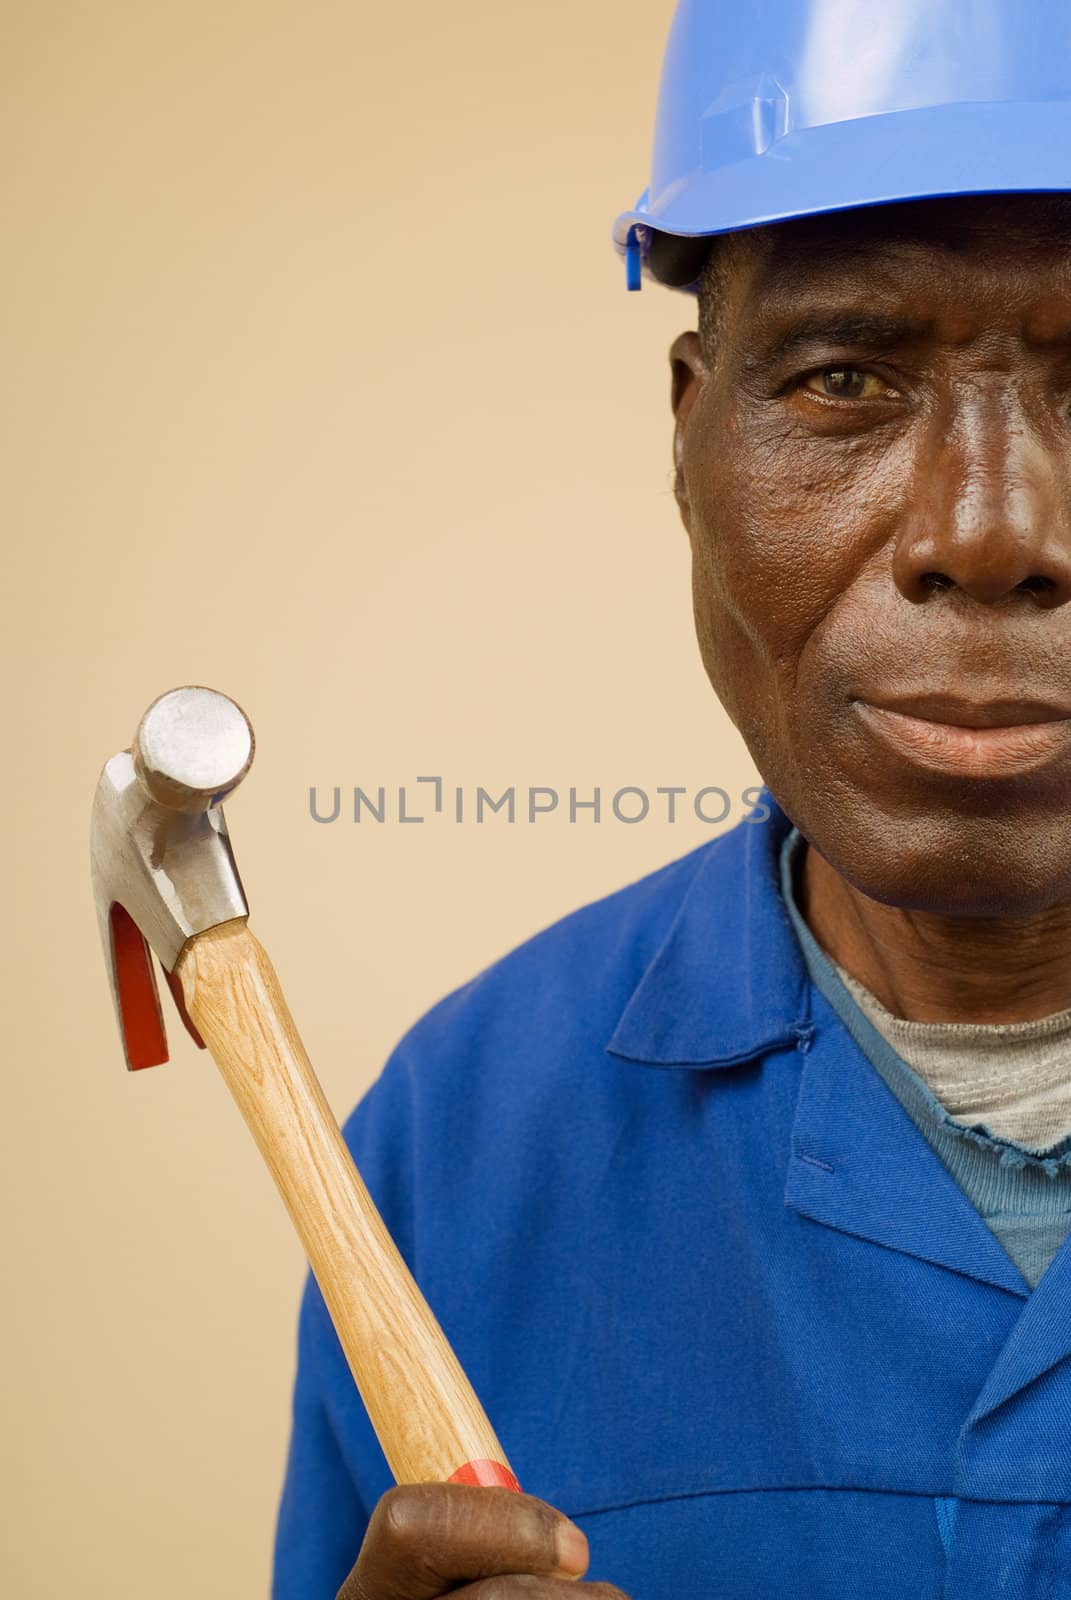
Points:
x=690, y=372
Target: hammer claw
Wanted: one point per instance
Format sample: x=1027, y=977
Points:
x=137, y=998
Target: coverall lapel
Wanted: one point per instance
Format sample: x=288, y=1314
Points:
x=858, y=1163
x=1040, y=1339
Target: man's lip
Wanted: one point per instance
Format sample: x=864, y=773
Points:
x=953, y=711
x=1003, y=738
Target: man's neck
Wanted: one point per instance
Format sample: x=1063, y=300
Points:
x=940, y=969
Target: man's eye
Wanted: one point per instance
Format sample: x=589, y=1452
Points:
x=845, y=383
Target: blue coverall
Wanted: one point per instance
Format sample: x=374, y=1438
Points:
x=722, y=1302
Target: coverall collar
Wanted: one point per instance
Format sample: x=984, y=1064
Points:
x=728, y=982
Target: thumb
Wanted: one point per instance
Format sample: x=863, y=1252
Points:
x=425, y=1538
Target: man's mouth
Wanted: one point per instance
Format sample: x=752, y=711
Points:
x=973, y=738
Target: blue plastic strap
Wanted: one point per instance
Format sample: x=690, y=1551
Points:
x=633, y=274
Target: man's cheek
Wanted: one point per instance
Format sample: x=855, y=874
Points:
x=749, y=590
x=739, y=665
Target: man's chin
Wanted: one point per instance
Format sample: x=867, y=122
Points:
x=945, y=859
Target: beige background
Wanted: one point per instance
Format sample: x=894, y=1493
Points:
x=322, y=387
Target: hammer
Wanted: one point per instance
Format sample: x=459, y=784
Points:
x=165, y=878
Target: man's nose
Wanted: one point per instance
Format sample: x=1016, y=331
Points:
x=991, y=513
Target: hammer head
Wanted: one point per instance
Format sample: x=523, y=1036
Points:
x=160, y=855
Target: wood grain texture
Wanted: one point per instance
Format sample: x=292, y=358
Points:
x=421, y=1404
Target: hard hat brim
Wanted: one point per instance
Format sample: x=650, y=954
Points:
x=970, y=147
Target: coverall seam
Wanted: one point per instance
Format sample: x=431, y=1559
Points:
x=570, y=1510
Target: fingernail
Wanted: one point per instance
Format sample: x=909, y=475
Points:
x=573, y=1554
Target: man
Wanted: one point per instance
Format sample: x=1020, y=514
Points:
x=743, y=1194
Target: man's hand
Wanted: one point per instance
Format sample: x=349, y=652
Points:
x=431, y=1539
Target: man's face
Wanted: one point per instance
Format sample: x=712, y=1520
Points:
x=875, y=475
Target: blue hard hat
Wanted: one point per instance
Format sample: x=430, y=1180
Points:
x=770, y=109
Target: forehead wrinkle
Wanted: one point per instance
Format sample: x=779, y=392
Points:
x=837, y=281
x=902, y=236
x=831, y=278
x=781, y=310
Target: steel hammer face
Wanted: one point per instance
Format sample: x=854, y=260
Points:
x=161, y=859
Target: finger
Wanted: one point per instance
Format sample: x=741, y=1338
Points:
x=519, y=1586
x=425, y=1538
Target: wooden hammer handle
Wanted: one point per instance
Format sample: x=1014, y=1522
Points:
x=429, y=1422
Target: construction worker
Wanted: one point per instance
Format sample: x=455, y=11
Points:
x=743, y=1194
